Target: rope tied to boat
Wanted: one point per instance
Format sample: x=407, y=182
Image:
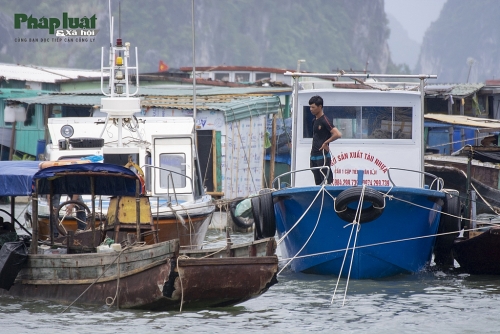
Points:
x=356, y=226
x=102, y=274
x=322, y=192
x=180, y=279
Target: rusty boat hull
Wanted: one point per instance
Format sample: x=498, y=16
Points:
x=133, y=278
x=224, y=276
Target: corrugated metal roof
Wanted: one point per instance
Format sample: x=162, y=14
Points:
x=43, y=74
x=72, y=100
x=234, y=106
x=10, y=93
x=253, y=106
x=456, y=90
x=187, y=90
x=465, y=120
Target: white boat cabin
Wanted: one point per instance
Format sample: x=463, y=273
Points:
x=380, y=129
x=164, y=142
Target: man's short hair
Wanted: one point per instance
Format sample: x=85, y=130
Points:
x=317, y=100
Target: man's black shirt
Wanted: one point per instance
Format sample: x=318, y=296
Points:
x=321, y=132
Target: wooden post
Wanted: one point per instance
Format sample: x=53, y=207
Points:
x=34, y=218
x=273, y=152
x=52, y=215
x=138, y=209
x=92, y=219
x=451, y=130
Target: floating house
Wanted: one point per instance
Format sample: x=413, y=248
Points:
x=230, y=124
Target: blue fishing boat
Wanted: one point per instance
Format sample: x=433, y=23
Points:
x=377, y=218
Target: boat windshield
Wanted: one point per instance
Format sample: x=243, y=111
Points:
x=176, y=163
x=365, y=122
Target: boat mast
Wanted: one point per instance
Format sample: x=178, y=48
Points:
x=119, y=102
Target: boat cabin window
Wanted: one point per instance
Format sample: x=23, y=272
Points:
x=356, y=122
x=176, y=163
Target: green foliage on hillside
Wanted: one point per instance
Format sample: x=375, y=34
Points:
x=465, y=30
x=329, y=34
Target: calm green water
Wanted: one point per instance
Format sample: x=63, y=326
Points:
x=428, y=302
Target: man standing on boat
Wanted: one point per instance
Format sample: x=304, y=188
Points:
x=324, y=132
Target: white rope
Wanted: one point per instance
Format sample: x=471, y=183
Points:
x=305, y=212
x=399, y=240
x=315, y=226
x=357, y=226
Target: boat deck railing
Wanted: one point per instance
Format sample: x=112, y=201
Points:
x=293, y=172
x=436, y=181
x=170, y=180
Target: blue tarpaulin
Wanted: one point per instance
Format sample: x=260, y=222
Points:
x=17, y=179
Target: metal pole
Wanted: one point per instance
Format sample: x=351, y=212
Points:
x=194, y=62
x=362, y=76
x=34, y=218
x=422, y=132
x=294, y=128
x=138, y=209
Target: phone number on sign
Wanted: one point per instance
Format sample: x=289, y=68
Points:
x=353, y=182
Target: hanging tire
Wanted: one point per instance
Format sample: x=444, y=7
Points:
x=353, y=195
x=450, y=221
x=238, y=221
x=263, y=215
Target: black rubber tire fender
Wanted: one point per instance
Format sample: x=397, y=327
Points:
x=85, y=207
x=257, y=217
x=267, y=218
x=351, y=195
x=238, y=221
x=450, y=221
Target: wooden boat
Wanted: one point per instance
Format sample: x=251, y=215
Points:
x=154, y=276
x=479, y=253
x=472, y=169
x=130, y=277
x=378, y=218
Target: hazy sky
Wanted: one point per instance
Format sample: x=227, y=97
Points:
x=415, y=15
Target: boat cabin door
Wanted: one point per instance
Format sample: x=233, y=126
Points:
x=172, y=162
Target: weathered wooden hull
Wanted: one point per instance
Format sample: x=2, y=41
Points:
x=224, y=276
x=223, y=281
x=479, y=255
x=134, y=278
x=153, y=277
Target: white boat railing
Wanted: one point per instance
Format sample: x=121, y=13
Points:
x=439, y=182
x=278, y=178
